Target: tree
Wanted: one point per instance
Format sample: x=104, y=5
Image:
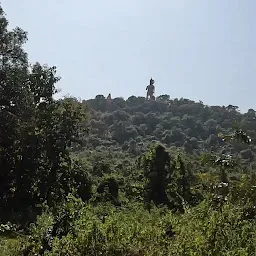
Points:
x=156, y=165
x=15, y=105
x=100, y=97
x=164, y=97
x=36, y=131
x=184, y=179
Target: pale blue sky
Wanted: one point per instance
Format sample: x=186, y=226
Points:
x=196, y=49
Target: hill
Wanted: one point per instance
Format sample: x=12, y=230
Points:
x=131, y=126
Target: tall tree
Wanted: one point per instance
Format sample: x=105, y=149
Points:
x=36, y=131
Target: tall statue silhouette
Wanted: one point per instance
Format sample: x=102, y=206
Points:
x=109, y=97
x=151, y=90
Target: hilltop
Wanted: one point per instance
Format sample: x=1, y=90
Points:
x=131, y=126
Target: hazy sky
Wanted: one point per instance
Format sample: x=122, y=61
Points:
x=197, y=49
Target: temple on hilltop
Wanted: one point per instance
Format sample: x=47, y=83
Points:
x=150, y=90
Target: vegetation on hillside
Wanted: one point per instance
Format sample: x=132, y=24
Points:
x=119, y=177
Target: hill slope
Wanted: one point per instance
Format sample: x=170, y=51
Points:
x=132, y=125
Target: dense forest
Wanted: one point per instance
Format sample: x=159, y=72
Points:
x=119, y=177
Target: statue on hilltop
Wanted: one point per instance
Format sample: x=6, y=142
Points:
x=151, y=90
x=109, y=97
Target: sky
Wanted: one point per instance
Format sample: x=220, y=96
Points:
x=196, y=49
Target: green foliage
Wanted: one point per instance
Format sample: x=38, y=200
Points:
x=135, y=231
x=108, y=190
x=238, y=135
x=157, y=170
x=36, y=131
x=119, y=177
